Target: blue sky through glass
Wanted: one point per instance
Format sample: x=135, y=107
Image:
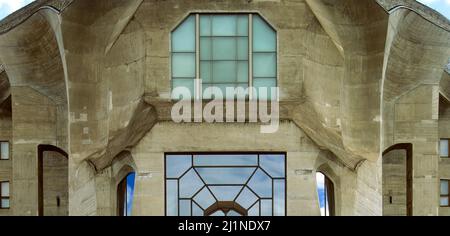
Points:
x=130, y=192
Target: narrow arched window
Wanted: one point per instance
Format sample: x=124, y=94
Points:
x=125, y=193
x=325, y=190
x=213, y=52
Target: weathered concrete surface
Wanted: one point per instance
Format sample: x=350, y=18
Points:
x=355, y=76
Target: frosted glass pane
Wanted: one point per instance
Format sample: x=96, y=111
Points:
x=223, y=25
x=206, y=71
x=246, y=198
x=243, y=25
x=444, y=148
x=224, y=48
x=225, y=160
x=172, y=198
x=261, y=184
x=4, y=151
x=266, y=208
x=185, y=207
x=444, y=187
x=224, y=71
x=273, y=165
x=5, y=203
x=205, y=25
x=183, y=37
x=242, y=44
x=267, y=84
x=186, y=83
x=183, y=65
x=205, y=48
x=5, y=189
x=264, y=37
x=242, y=72
x=264, y=64
x=279, y=196
x=178, y=165
x=444, y=201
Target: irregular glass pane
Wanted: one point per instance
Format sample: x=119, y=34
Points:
x=225, y=160
x=279, y=197
x=206, y=71
x=273, y=164
x=242, y=75
x=5, y=203
x=218, y=213
x=261, y=184
x=187, y=84
x=233, y=213
x=196, y=210
x=225, y=193
x=205, y=48
x=254, y=210
x=183, y=37
x=224, y=48
x=266, y=207
x=190, y=183
x=183, y=65
x=243, y=25
x=444, y=201
x=224, y=71
x=444, y=147
x=5, y=151
x=264, y=37
x=264, y=65
x=320, y=180
x=225, y=175
x=265, y=88
x=224, y=25
x=242, y=48
x=5, y=189
x=172, y=197
x=185, y=207
x=204, y=198
x=444, y=187
x=177, y=165
x=247, y=198
x=205, y=25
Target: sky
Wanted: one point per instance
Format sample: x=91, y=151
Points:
x=9, y=6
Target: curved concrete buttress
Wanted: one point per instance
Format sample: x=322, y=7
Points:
x=358, y=28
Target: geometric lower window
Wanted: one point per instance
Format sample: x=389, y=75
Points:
x=225, y=184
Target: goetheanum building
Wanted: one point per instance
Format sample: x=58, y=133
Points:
x=358, y=91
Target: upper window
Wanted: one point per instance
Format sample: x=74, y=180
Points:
x=443, y=146
x=444, y=193
x=213, y=52
x=4, y=150
x=226, y=185
x=4, y=195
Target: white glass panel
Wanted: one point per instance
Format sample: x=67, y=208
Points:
x=224, y=71
x=224, y=48
x=266, y=207
x=206, y=71
x=5, y=189
x=278, y=198
x=264, y=84
x=444, y=187
x=183, y=38
x=264, y=37
x=184, y=83
x=444, y=201
x=5, y=203
x=264, y=65
x=444, y=148
x=4, y=151
x=205, y=25
x=183, y=65
x=172, y=198
x=243, y=25
x=224, y=25
x=242, y=44
x=185, y=207
x=225, y=160
x=205, y=48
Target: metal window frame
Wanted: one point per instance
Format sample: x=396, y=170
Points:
x=192, y=154
x=198, y=90
x=9, y=150
x=5, y=198
x=448, y=147
x=444, y=195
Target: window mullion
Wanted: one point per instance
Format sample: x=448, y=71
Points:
x=250, y=56
x=197, y=57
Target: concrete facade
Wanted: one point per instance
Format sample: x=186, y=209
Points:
x=356, y=77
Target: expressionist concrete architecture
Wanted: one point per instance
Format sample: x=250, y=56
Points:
x=364, y=98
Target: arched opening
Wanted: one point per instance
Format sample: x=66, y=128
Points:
x=125, y=193
x=53, y=191
x=325, y=191
x=397, y=180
